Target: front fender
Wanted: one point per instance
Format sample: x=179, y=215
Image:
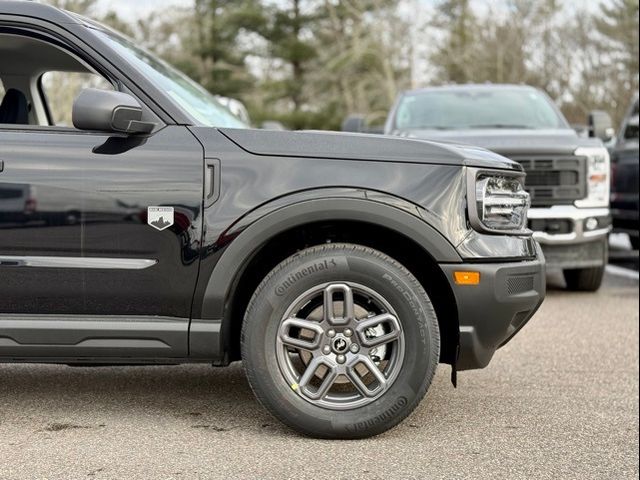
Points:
x=270, y=220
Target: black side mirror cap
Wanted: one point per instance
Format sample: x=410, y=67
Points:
x=109, y=111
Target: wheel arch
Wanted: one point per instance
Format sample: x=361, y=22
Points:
x=278, y=230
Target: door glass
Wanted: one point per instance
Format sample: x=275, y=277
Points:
x=61, y=88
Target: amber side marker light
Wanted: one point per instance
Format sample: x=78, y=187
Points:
x=466, y=278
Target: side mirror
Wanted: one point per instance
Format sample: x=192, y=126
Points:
x=354, y=124
x=108, y=111
x=601, y=126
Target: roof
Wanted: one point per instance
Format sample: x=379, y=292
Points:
x=36, y=10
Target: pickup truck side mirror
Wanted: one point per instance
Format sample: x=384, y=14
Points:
x=108, y=111
x=354, y=124
x=601, y=126
x=358, y=124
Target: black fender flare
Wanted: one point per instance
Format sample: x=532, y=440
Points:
x=296, y=210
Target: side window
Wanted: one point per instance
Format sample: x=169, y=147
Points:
x=41, y=80
x=61, y=88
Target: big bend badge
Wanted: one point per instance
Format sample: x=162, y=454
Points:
x=160, y=218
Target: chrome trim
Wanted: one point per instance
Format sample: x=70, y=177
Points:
x=76, y=262
x=577, y=216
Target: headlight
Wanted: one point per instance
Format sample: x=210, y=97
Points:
x=497, y=202
x=597, y=176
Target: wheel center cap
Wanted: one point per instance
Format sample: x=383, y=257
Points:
x=340, y=345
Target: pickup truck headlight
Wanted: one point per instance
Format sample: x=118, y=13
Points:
x=497, y=202
x=598, y=172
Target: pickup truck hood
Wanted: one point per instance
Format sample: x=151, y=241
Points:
x=353, y=146
x=509, y=141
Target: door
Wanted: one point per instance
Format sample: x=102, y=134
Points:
x=99, y=233
x=76, y=246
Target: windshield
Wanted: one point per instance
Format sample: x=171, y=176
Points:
x=477, y=108
x=197, y=102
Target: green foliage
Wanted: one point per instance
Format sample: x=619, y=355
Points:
x=287, y=29
x=617, y=24
x=454, y=55
x=212, y=39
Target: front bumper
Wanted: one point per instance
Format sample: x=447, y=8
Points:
x=567, y=243
x=492, y=312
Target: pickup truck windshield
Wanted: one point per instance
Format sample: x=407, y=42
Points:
x=197, y=102
x=477, y=108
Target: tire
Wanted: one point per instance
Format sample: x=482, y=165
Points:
x=584, y=279
x=345, y=410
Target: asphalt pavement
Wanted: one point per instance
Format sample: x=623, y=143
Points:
x=560, y=401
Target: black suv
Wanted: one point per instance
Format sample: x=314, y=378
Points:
x=155, y=229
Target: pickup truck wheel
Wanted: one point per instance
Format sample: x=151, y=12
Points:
x=340, y=341
x=584, y=279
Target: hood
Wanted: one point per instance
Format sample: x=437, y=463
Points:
x=354, y=146
x=509, y=141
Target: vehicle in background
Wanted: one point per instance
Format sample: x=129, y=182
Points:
x=29, y=205
x=16, y=203
x=237, y=108
x=624, y=177
x=358, y=123
x=567, y=175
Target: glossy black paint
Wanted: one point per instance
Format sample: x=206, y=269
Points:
x=86, y=195
x=71, y=194
x=355, y=146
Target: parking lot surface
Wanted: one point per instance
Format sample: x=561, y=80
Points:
x=559, y=401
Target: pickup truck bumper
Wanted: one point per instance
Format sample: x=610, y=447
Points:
x=492, y=312
x=571, y=237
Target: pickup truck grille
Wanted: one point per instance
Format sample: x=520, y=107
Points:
x=554, y=180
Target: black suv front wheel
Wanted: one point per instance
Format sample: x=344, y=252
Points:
x=340, y=341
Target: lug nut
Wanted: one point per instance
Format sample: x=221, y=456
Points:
x=348, y=332
x=331, y=333
x=326, y=349
x=340, y=359
x=354, y=348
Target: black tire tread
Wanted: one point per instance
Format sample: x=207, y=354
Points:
x=584, y=279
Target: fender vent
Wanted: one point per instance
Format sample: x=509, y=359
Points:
x=517, y=285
